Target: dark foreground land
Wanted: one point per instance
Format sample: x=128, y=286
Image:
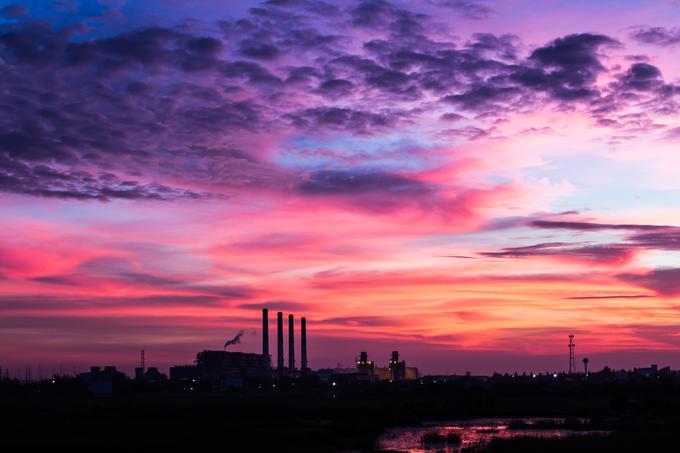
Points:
x=642, y=415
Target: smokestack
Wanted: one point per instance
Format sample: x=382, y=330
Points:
x=291, y=344
x=265, y=333
x=279, y=340
x=303, y=344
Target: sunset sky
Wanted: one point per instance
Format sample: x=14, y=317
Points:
x=467, y=182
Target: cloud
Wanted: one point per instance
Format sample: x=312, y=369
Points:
x=610, y=296
x=258, y=50
x=156, y=112
x=466, y=9
x=42, y=180
x=362, y=321
x=567, y=67
x=334, y=88
x=328, y=182
x=673, y=134
x=130, y=272
x=14, y=11
x=380, y=14
x=665, y=282
x=659, y=36
x=665, y=334
x=67, y=304
x=57, y=280
x=280, y=305
x=611, y=254
x=591, y=226
x=663, y=239
x=344, y=119
x=642, y=77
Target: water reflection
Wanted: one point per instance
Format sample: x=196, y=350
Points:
x=453, y=437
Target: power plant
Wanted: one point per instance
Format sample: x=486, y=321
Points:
x=395, y=371
x=225, y=369
x=229, y=369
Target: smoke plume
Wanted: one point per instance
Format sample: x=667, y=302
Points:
x=235, y=340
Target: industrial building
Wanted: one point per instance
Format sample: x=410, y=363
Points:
x=231, y=368
x=103, y=382
x=223, y=366
x=395, y=371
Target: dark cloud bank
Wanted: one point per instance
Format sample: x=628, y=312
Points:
x=167, y=113
x=637, y=237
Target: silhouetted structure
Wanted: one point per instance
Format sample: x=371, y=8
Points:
x=103, y=382
x=304, y=369
x=279, y=342
x=153, y=376
x=291, y=345
x=396, y=369
x=572, y=360
x=228, y=367
x=585, y=365
x=365, y=366
x=139, y=371
x=265, y=332
x=223, y=368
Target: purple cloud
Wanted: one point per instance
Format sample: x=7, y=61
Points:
x=351, y=182
x=665, y=282
x=659, y=36
x=591, y=226
x=467, y=9
x=606, y=253
x=14, y=11
x=89, y=117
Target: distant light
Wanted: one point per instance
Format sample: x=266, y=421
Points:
x=533, y=375
x=53, y=381
x=333, y=384
x=555, y=375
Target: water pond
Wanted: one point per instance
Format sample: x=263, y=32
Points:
x=453, y=437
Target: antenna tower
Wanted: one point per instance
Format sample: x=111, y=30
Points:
x=141, y=360
x=572, y=361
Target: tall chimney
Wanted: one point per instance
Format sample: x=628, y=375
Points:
x=303, y=345
x=291, y=344
x=279, y=340
x=265, y=334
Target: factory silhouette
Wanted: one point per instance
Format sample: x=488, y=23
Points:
x=227, y=368
x=222, y=370
x=219, y=370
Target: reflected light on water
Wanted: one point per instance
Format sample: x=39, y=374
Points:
x=464, y=434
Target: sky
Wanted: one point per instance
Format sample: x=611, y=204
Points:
x=467, y=182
